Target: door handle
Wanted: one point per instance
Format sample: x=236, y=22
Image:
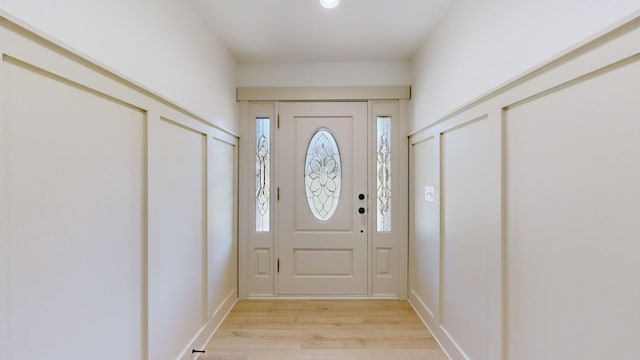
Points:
x=361, y=196
x=361, y=210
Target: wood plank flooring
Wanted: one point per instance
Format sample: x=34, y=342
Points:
x=322, y=330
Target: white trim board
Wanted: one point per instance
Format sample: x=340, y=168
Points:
x=328, y=93
x=554, y=62
x=10, y=22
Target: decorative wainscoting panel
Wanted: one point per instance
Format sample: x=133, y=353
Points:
x=117, y=212
x=470, y=201
x=74, y=164
x=573, y=205
x=424, y=265
x=177, y=198
x=524, y=209
x=222, y=246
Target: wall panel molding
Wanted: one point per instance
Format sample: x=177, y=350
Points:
x=608, y=46
x=615, y=51
x=84, y=68
x=37, y=57
x=63, y=157
x=593, y=145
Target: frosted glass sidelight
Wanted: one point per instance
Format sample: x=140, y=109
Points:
x=383, y=174
x=263, y=173
x=323, y=174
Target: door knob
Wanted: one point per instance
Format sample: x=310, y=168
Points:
x=361, y=210
x=361, y=196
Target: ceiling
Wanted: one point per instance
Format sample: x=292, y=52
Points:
x=276, y=31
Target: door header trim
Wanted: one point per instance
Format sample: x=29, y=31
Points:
x=324, y=93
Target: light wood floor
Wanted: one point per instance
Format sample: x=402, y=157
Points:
x=322, y=330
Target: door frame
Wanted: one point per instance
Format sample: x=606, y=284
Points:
x=257, y=255
x=297, y=228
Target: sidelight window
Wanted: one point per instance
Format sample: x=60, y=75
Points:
x=263, y=173
x=383, y=174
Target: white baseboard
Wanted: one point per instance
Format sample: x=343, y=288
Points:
x=442, y=337
x=202, y=338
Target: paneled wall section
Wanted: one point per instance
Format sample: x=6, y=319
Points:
x=528, y=248
x=118, y=213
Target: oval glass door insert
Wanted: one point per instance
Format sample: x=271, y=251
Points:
x=323, y=174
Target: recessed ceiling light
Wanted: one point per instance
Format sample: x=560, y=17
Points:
x=329, y=4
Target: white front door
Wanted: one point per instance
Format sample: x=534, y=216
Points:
x=322, y=211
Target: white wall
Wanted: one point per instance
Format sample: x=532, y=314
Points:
x=117, y=212
x=325, y=74
x=480, y=45
x=162, y=44
x=524, y=254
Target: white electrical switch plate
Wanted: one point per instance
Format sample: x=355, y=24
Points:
x=429, y=193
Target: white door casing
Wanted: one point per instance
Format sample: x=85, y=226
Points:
x=262, y=235
x=322, y=256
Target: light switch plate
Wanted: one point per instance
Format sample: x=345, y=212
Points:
x=429, y=194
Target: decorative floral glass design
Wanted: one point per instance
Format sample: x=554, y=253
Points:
x=323, y=174
x=263, y=173
x=383, y=147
